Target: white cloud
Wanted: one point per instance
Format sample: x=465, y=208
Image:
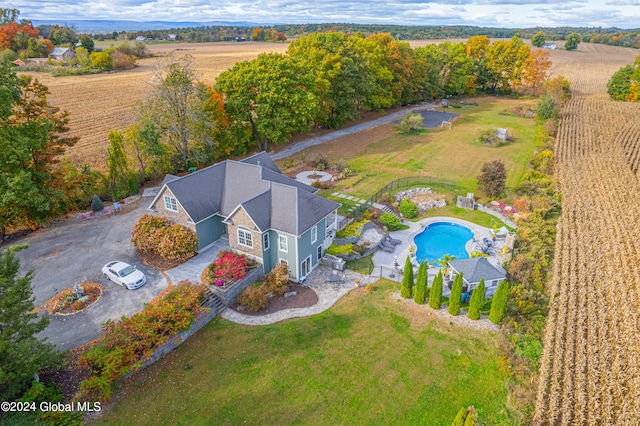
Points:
x=502, y=13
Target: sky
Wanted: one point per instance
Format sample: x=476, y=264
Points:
x=490, y=13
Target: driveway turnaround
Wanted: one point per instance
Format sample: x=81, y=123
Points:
x=75, y=251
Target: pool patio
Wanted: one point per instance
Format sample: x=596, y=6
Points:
x=384, y=261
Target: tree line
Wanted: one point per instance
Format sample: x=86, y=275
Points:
x=324, y=79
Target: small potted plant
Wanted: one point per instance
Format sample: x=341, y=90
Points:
x=219, y=283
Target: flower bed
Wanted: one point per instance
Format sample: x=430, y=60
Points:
x=67, y=302
x=228, y=268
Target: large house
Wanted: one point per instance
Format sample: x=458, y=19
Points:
x=475, y=269
x=264, y=214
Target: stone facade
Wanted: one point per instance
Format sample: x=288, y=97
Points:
x=180, y=216
x=241, y=219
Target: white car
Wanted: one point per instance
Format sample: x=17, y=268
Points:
x=124, y=274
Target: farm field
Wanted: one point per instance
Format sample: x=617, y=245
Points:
x=100, y=103
x=590, y=371
x=368, y=360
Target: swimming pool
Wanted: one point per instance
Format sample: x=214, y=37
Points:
x=442, y=238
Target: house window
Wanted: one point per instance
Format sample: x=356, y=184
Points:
x=314, y=234
x=283, y=243
x=319, y=253
x=244, y=238
x=265, y=242
x=170, y=203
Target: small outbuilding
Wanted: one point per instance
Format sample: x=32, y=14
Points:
x=475, y=269
x=62, y=54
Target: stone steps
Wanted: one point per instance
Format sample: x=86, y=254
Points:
x=211, y=300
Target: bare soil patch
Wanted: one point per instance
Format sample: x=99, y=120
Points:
x=304, y=298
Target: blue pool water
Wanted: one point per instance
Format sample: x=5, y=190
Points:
x=442, y=238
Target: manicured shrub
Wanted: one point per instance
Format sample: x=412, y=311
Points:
x=390, y=221
x=435, y=296
x=335, y=250
x=411, y=121
x=96, y=204
x=420, y=294
x=472, y=418
x=456, y=294
x=130, y=341
x=476, y=302
x=156, y=235
x=406, y=290
x=177, y=242
x=277, y=280
x=460, y=417
x=253, y=298
x=499, y=303
x=408, y=209
x=229, y=267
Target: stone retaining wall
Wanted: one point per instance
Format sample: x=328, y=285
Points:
x=174, y=341
x=228, y=295
x=346, y=240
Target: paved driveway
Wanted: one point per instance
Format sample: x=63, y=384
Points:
x=75, y=251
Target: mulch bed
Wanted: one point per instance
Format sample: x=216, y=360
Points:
x=158, y=262
x=304, y=298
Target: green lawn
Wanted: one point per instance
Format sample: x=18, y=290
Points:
x=450, y=154
x=368, y=360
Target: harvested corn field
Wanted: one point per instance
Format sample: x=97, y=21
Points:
x=590, y=369
x=102, y=102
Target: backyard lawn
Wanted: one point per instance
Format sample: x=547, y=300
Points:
x=379, y=155
x=368, y=360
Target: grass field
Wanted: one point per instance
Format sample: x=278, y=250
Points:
x=368, y=360
x=381, y=155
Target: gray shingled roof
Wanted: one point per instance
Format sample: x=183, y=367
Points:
x=262, y=159
x=169, y=178
x=270, y=198
x=259, y=209
x=289, y=209
x=200, y=193
x=474, y=269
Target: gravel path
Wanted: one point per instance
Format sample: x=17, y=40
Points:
x=299, y=146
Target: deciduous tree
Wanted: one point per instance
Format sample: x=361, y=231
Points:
x=572, y=41
x=32, y=139
x=538, y=39
x=272, y=95
x=492, y=178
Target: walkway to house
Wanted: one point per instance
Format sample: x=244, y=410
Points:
x=192, y=269
x=328, y=294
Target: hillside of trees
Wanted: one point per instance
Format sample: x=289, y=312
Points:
x=610, y=36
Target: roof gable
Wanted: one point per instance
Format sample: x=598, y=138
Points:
x=271, y=199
